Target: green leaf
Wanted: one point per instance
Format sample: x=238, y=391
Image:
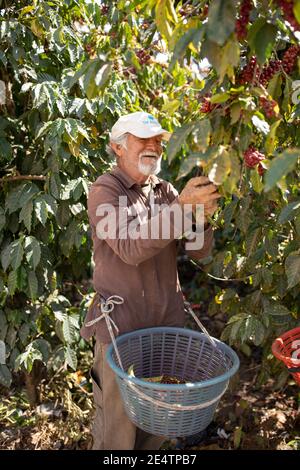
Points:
x=40, y=208
x=5, y=149
x=220, y=167
x=162, y=18
x=12, y=282
x=27, y=358
x=230, y=57
x=43, y=348
x=55, y=185
x=177, y=139
x=220, y=98
x=25, y=215
x=3, y=58
x=274, y=87
x=69, y=82
x=187, y=165
x=13, y=199
x=280, y=166
x=263, y=42
x=213, y=53
x=32, y=251
x=2, y=352
x=19, y=197
x=256, y=181
x=270, y=143
x=68, y=329
x=193, y=35
x=5, y=376
x=32, y=285
x=253, y=330
x=237, y=437
x=221, y=20
x=277, y=309
x=2, y=218
x=3, y=325
x=252, y=240
x=71, y=358
x=17, y=253
x=23, y=333
x=289, y=212
x=296, y=10
x=102, y=75
x=6, y=257
x=201, y=134
x=292, y=269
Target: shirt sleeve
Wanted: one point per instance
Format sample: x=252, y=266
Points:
x=112, y=222
x=206, y=249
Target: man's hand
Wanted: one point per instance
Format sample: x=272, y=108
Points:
x=200, y=190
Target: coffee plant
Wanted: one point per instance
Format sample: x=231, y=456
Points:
x=221, y=76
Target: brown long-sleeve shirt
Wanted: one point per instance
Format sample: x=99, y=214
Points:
x=143, y=270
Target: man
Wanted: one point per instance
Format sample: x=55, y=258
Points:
x=140, y=269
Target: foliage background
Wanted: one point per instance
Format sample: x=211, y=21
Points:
x=69, y=69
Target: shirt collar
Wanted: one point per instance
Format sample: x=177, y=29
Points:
x=129, y=182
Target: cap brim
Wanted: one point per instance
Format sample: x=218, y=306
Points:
x=145, y=135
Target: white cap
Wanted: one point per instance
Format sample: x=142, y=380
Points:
x=140, y=124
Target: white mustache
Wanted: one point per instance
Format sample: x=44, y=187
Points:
x=149, y=154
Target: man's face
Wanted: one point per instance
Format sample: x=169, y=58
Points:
x=142, y=156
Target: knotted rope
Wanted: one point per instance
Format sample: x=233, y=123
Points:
x=106, y=307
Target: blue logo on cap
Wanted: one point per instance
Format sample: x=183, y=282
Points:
x=150, y=120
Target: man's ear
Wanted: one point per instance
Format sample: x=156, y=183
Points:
x=117, y=148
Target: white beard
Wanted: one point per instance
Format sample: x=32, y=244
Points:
x=148, y=169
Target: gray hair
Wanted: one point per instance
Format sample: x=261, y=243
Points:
x=122, y=140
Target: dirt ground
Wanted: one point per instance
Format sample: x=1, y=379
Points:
x=248, y=417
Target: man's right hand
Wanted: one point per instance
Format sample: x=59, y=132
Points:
x=200, y=190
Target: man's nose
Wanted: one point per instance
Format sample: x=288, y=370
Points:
x=154, y=146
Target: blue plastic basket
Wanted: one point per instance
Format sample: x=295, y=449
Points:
x=166, y=409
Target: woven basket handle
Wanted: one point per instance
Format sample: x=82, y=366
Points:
x=189, y=309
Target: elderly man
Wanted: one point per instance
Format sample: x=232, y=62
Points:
x=140, y=269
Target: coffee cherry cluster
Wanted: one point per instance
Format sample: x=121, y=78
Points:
x=243, y=20
x=204, y=12
x=268, y=106
x=246, y=75
x=130, y=71
x=145, y=25
x=268, y=71
x=90, y=49
x=168, y=379
x=253, y=157
x=104, y=9
x=206, y=105
x=287, y=7
x=260, y=169
x=289, y=58
x=143, y=56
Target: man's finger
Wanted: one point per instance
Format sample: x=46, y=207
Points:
x=206, y=196
x=207, y=189
x=198, y=180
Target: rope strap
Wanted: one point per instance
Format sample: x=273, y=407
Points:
x=106, y=307
x=175, y=406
